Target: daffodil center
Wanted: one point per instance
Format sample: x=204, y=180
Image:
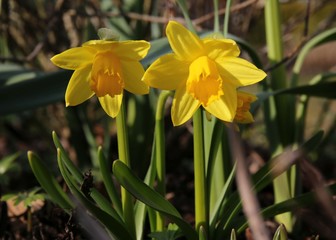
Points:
x=204, y=82
x=106, y=75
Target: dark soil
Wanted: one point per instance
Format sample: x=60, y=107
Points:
x=50, y=222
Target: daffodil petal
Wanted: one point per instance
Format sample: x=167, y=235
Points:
x=225, y=107
x=78, y=89
x=185, y=44
x=167, y=73
x=132, y=73
x=111, y=105
x=132, y=50
x=74, y=58
x=247, y=96
x=246, y=118
x=239, y=71
x=217, y=48
x=184, y=107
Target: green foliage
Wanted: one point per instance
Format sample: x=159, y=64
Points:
x=44, y=88
x=171, y=233
x=151, y=198
x=284, y=118
x=280, y=233
x=233, y=235
x=8, y=166
x=222, y=222
x=27, y=198
x=48, y=182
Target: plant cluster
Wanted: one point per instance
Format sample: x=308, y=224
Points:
x=205, y=78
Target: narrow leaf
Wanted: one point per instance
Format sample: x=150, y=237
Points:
x=108, y=182
x=151, y=198
x=140, y=208
x=324, y=90
x=324, y=37
x=48, y=182
x=280, y=233
x=312, y=143
x=116, y=228
x=34, y=92
x=233, y=235
x=67, y=161
x=301, y=201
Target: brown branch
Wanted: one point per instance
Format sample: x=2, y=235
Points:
x=132, y=15
x=249, y=200
x=156, y=19
x=221, y=11
x=38, y=48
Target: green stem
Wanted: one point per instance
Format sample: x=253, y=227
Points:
x=284, y=112
x=29, y=221
x=213, y=134
x=201, y=203
x=183, y=6
x=160, y=152
x=123, y=151
x=216, y=16
x=226, y=18
x=284, y=109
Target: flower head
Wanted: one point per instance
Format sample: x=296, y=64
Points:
x=243, y=114
x=203, y=73
x=104, y=68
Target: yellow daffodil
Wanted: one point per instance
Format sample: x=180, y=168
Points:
x=203, y=73
x=104, y=68
x=244, y=101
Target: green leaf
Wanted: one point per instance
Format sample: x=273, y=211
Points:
x=312, y=143
x=323, y=90
x=261, y=179
x=280, y=233
x=32, y=196
x=10, y=76
x=48, y=182
x=324, y=37
x=233, y=235
x=216, y=213
x=184, y=9
x=101, y=201
x=151, y=198
x=318, y=87
x=171, y=233
x=36, y=91
x=116, y=228
x=108, y=182
x=118, y=24
x=10, y=67
x=301, y=201
x=202, y=233
x=104, y=204
x=7, y=196
x=67, y=161
x=270, y=171
x=7, y=163
x=140, y=208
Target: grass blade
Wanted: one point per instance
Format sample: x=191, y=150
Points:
x=151, y=198
x=48, y=182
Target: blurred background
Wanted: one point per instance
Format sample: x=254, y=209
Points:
x=31, y=32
